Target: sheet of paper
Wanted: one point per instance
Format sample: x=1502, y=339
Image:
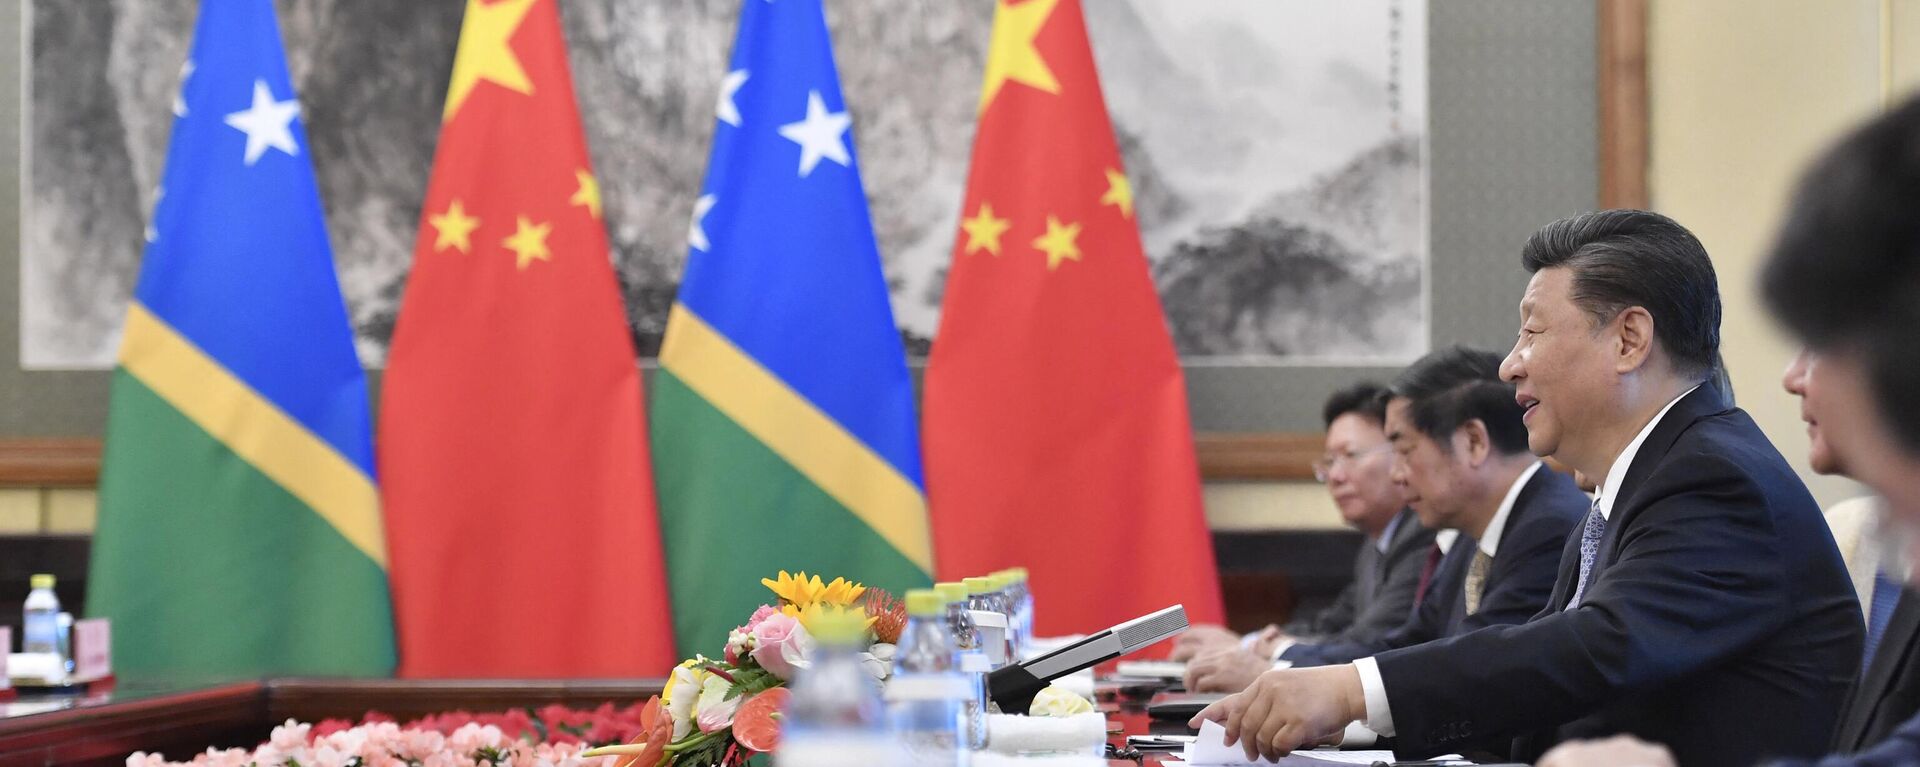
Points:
x=1210, y=749
x=1161, y=669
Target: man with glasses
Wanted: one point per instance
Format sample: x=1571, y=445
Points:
x=1504, y=517
x=1388, y=571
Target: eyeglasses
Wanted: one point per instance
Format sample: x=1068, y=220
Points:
x=1323, y=466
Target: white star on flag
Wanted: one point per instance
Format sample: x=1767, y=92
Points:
x=268, y=123
x=697, y=234
x=819, y=135
x=728, y=111
x=180, y=96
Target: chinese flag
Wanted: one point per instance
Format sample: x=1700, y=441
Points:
x=1056, y=416
x=514, y=471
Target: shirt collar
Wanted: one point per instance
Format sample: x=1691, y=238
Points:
x=1618, y=474
x=1490, y=540
x=1445, y=538
x=1386, y=536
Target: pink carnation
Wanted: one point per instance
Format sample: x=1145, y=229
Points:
x=759, y=615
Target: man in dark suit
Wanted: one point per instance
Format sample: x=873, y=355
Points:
x=1844, y=276
x=1703, y=603
x=1357, y=470
x=1463, y=458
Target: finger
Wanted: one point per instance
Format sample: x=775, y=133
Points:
x=1259, y=706
x=1214, y=712
x=1278, y=720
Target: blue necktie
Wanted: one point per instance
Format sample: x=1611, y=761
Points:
x=1590, y=536
x=1886, y=593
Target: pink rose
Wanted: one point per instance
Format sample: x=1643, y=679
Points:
x=759, y=615
x=781, y=644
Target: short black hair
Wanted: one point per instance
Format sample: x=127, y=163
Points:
x=1449, y=387
x=1844, y=272
x=1365, y=399
x=1627, y=258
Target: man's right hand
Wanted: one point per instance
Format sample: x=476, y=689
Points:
x=1617, y=751
x=1201, y=639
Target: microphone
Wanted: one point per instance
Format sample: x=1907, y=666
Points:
x=1014, y=686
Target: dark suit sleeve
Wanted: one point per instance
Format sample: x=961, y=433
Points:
x=1696, y=578
x=1392, y=604
x=1426, y=624
x=1899, y=749
x=1331, y=619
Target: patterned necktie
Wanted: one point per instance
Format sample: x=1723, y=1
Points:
x=1590, y=535
x=1886, y=593
x=1477, y=578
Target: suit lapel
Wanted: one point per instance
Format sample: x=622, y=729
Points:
x=1700, y=403
x=1889, y=662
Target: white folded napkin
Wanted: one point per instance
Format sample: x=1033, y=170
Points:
x=1009, y=734
x=991, y=759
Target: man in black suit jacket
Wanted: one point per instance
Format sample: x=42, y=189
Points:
x=1844, y=276
x=1703, y=603
x=1387, y=570
x=1462, y=457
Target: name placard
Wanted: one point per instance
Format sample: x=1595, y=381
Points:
x=6, y=646
x=92, y=649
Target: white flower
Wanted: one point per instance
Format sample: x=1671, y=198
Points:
x=683, y=694
x=715, y=712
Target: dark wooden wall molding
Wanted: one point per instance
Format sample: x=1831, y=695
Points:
x=75, y=461
x=50, y=462
x=1622, y=81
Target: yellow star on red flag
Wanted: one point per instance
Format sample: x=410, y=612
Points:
x=1060, y=243
x=529, y=242
x=453, y=228
x=1012, y=55
x=984, y=230
x=588, y=194
x=484, y=52
x=1119, y=192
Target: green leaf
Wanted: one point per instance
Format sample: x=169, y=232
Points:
x=751, y=682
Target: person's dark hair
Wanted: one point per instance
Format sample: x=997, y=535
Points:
x=1845, y=270
x=1627, y=258
x=1365, y=399
x=1449, y=387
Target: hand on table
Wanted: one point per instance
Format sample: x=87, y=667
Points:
x=1201, y=639
x=1288, y=709
x=1617, y=751
x=1225, y=670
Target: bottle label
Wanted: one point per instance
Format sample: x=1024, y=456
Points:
x=917, y=687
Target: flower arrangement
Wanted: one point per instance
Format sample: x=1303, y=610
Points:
x=724, y=711
x=387, y=744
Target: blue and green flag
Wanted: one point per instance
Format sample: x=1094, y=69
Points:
x=239, y=527
x=783, y=421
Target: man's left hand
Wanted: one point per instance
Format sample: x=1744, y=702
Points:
x=1287, y=709
x=1229, y=670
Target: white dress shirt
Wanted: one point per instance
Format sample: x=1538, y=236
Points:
x=1379, y=714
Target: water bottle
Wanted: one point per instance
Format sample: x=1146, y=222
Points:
x=927, y=696
x=40, y=627
x=990, y=616
x=969, y=657
x=1023, y=607
x=1019, y=627
x=836, y=716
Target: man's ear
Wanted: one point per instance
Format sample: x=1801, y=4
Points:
x=1633, y=339
x=1472, y=439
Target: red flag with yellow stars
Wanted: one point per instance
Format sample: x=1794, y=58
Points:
x=513, y=462
x=1056, y=432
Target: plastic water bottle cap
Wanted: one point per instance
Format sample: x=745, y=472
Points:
x=951, y=591
x=41, y=580
x=925, y=603
x=979, y=585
